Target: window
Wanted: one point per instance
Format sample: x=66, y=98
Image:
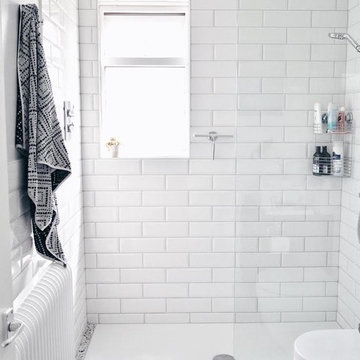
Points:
x=145, y=80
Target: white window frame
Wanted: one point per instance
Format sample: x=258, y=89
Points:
x=144, y=7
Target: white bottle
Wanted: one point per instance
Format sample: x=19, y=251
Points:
x=338, y=158
x=332, y=117
x=317, y=119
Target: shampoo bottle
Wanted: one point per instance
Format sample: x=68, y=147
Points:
x=338, y=158
x=341, y=119
x=325, y=164
x=332, y=117
x=316, y=162
x=317, y=119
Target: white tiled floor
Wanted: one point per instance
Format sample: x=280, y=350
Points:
x=197, y=342
x=160, y=342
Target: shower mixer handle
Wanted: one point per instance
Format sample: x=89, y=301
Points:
x=212, y=136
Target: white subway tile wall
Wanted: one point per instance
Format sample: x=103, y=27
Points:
x=60, y=36
x=348, y=314
x=166, y=239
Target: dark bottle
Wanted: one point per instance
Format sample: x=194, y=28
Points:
x=325, y=162
x=316, y=162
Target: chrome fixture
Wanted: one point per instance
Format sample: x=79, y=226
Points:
x=223, y=357
x=69, y=114
x=346, y=36
x=212, y=136
x=358, y=237
x=11, y=328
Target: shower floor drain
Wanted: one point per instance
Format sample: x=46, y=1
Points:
x=223, y=357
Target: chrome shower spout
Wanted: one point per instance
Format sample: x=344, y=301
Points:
x=346, y=36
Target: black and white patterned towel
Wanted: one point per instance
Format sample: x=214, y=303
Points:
x=38, y=134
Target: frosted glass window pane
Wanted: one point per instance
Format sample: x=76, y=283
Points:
x=145, y=109
x=144, y=35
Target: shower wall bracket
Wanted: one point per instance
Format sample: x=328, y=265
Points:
x=69, y=114
x=212, y=136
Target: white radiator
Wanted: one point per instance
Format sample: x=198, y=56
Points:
x=47, y=313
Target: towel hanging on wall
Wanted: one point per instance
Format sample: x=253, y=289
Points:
x=38, y=135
